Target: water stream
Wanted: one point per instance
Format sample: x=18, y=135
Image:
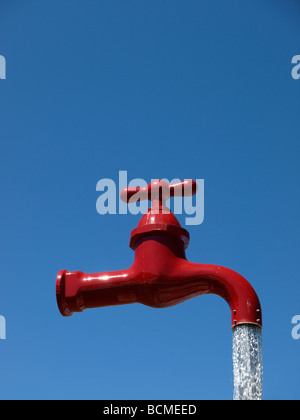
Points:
x=247, y=362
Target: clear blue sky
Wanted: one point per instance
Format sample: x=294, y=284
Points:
x=185, y=89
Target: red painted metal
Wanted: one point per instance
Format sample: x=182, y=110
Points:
x=160, y=275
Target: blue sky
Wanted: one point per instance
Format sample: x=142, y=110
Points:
x=161, y=89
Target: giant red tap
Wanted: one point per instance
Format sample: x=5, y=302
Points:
x=160, y=275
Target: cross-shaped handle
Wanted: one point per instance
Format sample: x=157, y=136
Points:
x=158, y=192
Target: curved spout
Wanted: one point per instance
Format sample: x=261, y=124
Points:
x=231, y=286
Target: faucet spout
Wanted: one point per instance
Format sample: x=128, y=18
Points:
x=235, y=289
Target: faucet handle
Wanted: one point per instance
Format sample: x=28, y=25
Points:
x=159, y=191
x=162, y=221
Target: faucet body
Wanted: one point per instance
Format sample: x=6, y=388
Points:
x=160, y=275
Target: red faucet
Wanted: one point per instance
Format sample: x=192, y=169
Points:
x=160, y=275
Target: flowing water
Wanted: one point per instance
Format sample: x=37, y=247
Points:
x=247, y=362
